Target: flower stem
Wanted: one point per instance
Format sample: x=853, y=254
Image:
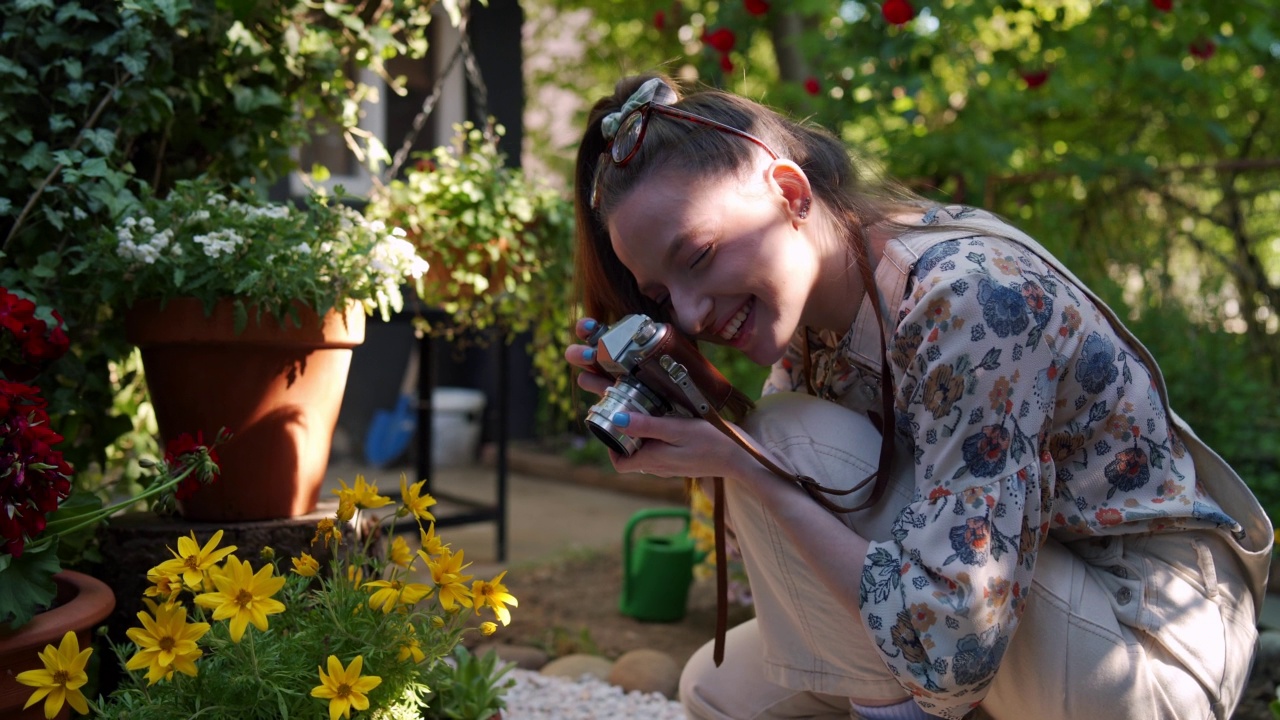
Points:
x=80, y=522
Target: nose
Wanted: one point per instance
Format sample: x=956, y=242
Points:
x=692, y=310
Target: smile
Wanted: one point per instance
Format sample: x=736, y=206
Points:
x=730, y=330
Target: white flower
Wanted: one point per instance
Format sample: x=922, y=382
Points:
x=199, y=215
x=302, y=248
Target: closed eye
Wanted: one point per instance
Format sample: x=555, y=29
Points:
x=704, y=254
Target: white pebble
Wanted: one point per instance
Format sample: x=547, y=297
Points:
x=537, y=696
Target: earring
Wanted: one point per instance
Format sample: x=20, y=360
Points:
x=804, y=208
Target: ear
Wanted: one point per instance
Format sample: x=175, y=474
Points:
x=792, y=185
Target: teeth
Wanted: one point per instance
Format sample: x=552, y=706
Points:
x=731, y=330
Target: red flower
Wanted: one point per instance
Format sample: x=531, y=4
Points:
x=660, y=20
x=897, y=12
x=725, y=63
x=1203, y=48
x=1162, y=5
x=176, y=454
x=34, y=478
x=811, y=86
x=1034, y=78
x=721, y=39
x=756, y=7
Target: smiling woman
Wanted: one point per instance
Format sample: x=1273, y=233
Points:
x=1029, y=476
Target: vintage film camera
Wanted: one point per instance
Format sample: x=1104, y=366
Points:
x=657, y=371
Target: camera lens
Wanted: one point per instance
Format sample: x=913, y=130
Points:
x=625, y=395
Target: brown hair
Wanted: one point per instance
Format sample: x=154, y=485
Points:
x=853, y=196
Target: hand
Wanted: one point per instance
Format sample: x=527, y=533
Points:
x=583, y=357
x=680, y=447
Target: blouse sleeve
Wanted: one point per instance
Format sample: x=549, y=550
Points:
x=976, y=364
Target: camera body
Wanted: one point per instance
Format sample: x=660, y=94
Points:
x=657, y=371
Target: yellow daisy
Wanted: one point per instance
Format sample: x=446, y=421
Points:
x=390, y=593
x=344, y=688
x=165, y=585
x=325, y=529
x=493, y=594
x=415, y=501
x=166, y=642
x=61, y=679
x=346, y=508
x=488, y=628
x=400, y=554
x=242, y=596
x=446, y=572
x=431, y=543
x=411, y=649
x=364, y=494
x=306, y=566
x=195, y=561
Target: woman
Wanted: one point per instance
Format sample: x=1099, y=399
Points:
x=1043, y=538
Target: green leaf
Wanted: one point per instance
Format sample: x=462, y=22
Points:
x=26, y=584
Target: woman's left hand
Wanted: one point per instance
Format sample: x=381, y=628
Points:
x=681, y=447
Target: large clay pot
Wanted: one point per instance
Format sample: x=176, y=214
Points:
x=82, y=603
x=278, y=389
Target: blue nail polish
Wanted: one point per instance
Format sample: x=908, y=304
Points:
x=589, y=354
x=589, y=325
x=622, y=419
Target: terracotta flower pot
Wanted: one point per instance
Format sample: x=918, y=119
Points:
x=82, y=603
x=278, y=389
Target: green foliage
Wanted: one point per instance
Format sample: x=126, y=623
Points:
x=470, y=688
x=1148, y=165
x=198, y=242
x=499, y=245
x=102, y=99
x=28, y=585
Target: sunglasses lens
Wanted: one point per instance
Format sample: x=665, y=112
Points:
x=628, y=137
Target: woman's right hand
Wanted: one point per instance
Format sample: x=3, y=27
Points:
x=583, y=357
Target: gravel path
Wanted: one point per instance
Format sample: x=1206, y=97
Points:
x=538, y=697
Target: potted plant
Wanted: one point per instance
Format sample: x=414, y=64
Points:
x=40, y=515
x=246, y=312
x=229, y=635
x=499, y=243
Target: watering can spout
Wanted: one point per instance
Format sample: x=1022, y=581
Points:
x=657, y=570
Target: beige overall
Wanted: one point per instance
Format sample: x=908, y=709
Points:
x=1173, y=639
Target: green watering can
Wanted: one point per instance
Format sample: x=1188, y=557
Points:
x=657, y=570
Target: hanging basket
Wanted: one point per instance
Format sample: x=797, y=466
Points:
x=278, y=389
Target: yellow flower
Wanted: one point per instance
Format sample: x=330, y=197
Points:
x=194, y=560
x=437, y=622
x=488, y=628
x=414, y=501
x=344, y=688
x=494, y=594
x=166, y=642
x=400, y=553
x=325, y=529
x=431, y=543
x=165, y=585
x=363, y=494
x=306, y=566
x=346, y=508
x=355, y=575
x=411, y=649
x=243, y=596
x=446, y=572
x=61, y=679
x=393, y=592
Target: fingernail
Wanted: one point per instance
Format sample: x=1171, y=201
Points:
x=589, y=325
x=589, y=354
x=622, y=419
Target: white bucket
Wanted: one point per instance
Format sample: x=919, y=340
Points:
x=455, y=425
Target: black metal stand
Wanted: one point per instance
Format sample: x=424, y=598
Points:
x=454, y=510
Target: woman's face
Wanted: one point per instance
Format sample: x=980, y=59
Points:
x=725, y=256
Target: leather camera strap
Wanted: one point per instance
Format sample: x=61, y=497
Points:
x=814, y=489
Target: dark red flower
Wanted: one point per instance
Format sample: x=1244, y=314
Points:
x=34, y=477
x=1162, y=5
x=721, y=39
x=1034, y=78
x=176, y=455
x=756, y=7
x=897, y=12
x=660, y=20
x=725, y=63
x=811, y=86
x=1203, y=48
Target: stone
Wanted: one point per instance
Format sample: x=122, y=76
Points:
x=577, y=665
x=525, y=657
x=649, y=671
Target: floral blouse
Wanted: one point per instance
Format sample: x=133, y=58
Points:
x=1028, y=418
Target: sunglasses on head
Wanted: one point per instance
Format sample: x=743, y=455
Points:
x=626, y=142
